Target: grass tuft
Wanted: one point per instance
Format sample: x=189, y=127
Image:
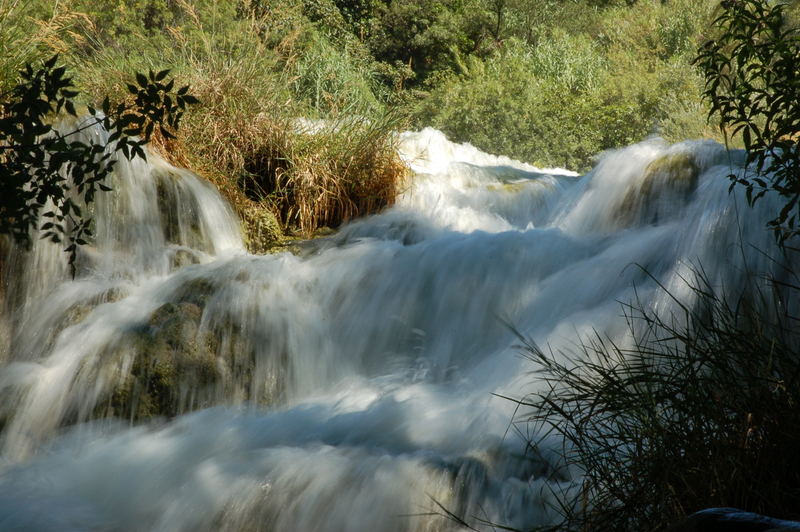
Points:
x=703, y=410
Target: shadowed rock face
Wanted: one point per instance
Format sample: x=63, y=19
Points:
x=668, y=180
x=732, y=520
x=182, y=359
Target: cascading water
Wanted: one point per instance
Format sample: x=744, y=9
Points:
x=178, y=383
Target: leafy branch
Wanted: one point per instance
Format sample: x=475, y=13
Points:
x=752, y=80
x=47, y=174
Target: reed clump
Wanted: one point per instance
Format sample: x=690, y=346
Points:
x=701, y=411
x=326, y=173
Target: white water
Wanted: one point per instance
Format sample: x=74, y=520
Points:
x=350, y=387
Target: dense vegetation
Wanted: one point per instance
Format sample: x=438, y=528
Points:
x=44, y=169
x=699, y=412
x=752, y=83
x=553, y=83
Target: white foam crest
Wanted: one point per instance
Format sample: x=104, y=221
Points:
x=461, y=188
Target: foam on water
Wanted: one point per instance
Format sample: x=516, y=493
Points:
x=350, y=387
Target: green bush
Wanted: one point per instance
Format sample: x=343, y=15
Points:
x=424, y=34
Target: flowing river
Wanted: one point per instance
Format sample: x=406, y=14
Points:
x=178, y=383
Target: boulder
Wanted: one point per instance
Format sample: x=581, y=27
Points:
x=732, y=520
x=668, y=182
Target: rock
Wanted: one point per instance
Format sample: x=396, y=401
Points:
x=179, y=211
x=171, y=370
x=179, y=360
x=668, y=182
x=732, y=520
x=261, y=229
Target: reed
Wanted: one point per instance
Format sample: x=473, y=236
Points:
x=322, y=177
x=701, y=411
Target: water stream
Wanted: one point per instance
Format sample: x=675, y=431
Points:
x=179, y=383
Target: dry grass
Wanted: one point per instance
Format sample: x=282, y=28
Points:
x=26, y=36
x=323, y=178
x=244, y=136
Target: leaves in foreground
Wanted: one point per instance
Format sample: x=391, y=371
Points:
x=49, y=176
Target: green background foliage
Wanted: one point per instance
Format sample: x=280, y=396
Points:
x=551, y=82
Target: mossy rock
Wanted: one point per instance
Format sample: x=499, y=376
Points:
x=678, y=171
x=195, y=291
x=173, y=362
x=509, y=187
x=171, y=370
x=180, y=213
x=667, y=181
x=262, y=232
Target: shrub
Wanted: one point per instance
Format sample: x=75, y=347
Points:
x=48, y=174
x=700, y=411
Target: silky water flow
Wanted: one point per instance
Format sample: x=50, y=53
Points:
x=179, y=383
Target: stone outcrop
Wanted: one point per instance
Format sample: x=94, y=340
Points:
x=732, y=520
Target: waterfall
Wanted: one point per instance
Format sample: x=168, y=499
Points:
x=179, y=383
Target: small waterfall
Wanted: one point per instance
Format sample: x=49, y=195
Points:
x=156, y=219
x=178, y=383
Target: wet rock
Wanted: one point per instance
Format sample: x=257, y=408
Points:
x=183, y=257
x=171, y=371
x=175, y=362
x=179, y=212
x=668, y=183
x=195, y=291
x=732, y=520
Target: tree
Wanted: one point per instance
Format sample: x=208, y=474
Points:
x=752, y=76
x=45, y=173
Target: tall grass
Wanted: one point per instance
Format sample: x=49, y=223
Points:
x=703, y=410
x=31, y=31
x=327, y=172
x=256, y=76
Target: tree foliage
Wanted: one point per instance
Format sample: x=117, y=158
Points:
x=752, y=74
x=46, y=174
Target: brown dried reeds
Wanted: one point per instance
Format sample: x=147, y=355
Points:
x=246, y=136
x=342, y=170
